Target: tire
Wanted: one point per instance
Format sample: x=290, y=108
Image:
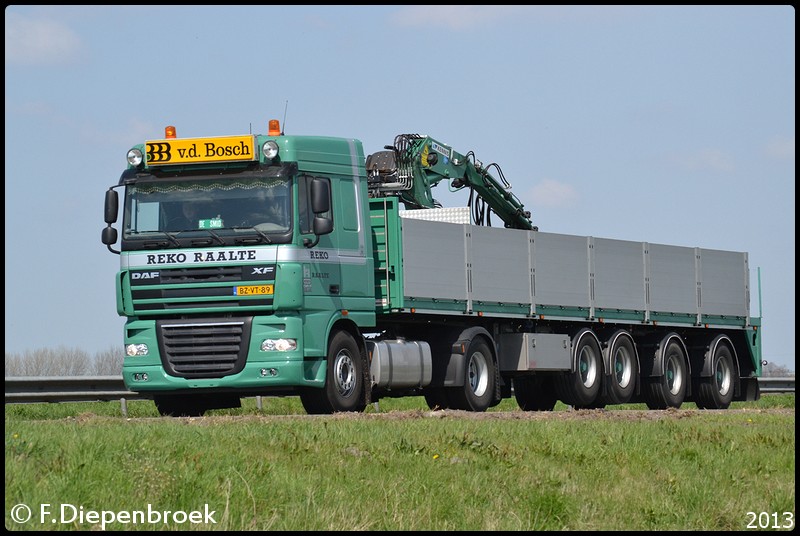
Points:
x=436, y=398
x=533, y=393
x=178, y=406
x=477, y=393
x=344, y=380
x=716, y=391
x=669, y=390
x=620, y=384
x=581, y=387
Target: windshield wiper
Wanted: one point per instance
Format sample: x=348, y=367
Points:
x=216, y=236
x=260, y=233
x=163, y=244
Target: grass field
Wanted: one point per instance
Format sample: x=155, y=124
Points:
x=399, y=466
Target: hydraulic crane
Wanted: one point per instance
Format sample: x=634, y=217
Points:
x=415, y=164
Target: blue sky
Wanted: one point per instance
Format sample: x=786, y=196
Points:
x=670, y=125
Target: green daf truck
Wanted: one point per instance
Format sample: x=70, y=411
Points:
x=283, y=265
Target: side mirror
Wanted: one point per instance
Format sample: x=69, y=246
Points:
x=320, y=195
x=320, y=192
x=109, y=236
x=112, y=207
x=322, y=226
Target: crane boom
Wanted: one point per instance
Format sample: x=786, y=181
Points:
x=415, y=164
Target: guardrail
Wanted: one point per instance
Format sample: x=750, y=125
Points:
x=776, y=384
x=28, y=389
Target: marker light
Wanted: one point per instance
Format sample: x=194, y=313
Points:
x=274, y=127
x=170, y=132
x=270, y=149
x=135, y=157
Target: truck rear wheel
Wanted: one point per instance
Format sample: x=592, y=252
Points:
x=533, y=393
x=716, y=391
x=477, y=393
x=344, y=379
x=669, y=389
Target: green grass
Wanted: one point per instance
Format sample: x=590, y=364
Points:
x=401, y=467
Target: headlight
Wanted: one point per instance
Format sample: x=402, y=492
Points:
x=132, y=350
x=270, y=149
x=278, y=345
x=135, y=157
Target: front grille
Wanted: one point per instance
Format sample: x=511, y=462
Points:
x=213, y=287
x=207, y=349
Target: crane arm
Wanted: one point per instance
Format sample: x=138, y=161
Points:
x=415, y=164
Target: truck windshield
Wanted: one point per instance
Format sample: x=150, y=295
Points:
x=226, y=209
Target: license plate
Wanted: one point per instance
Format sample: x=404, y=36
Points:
x=253, y=290
x=198, y=150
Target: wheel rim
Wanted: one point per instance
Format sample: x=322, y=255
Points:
x=587, y=365
x=623, y=369
x=674, y=375
x=344, y=373
x=724, y=377
x=478, y=373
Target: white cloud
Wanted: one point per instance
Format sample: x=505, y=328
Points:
x=32, y=41
x=551, y=193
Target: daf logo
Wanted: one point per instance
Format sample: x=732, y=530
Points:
x=144, y=275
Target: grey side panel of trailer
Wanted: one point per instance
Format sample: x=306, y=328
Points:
x=672, y=280
x=468, y=263
x=500, y=265
x=434, y=259
x=618, y=268
x=561, y=269
x=724, y=283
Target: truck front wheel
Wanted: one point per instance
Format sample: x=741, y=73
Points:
x=344, y=379
x=477, y=393
x=178, y=406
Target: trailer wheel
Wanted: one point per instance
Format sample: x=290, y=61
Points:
x=582, y=387
x=533, y=393
x=669, y=389
x=477, y=393
x=716, y=391
x=178, y=406
x=344, y=380
x=620, y=384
